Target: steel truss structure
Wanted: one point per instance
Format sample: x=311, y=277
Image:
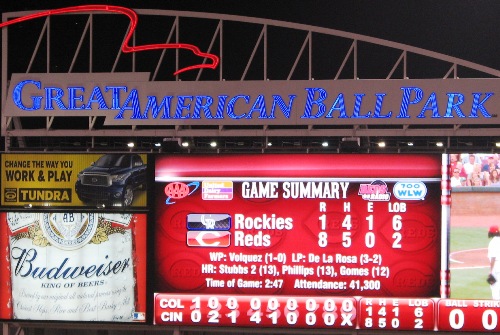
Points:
x=249, y=49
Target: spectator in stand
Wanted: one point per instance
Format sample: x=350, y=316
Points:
x=453, y=161
x=494, y=177
x=492, y=167
x=463, y=176
x=470, y=165
x=484, y=176
x=475, y=180
x=486, y=165
x=496, y=161
x=455, y=179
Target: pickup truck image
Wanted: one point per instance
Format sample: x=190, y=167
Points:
x=112, y=180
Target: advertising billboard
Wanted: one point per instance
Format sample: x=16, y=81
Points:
x=300, y=240
x=103, y=180
x=70, y=266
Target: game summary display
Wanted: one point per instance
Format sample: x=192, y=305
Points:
x=340, y=241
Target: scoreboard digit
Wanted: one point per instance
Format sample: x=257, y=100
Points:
x=396, y=314
x=265, y=311
x=468, y=315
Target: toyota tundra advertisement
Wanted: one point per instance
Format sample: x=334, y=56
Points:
x=88, y=180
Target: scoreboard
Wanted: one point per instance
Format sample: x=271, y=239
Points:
x=295, y=241
x=307, y=241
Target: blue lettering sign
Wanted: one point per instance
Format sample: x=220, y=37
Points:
x=115, y=95
x=378, y=107
x=97, y=97
x=74, y=96
x=430, y=104
x=339, y=105
x=357, y=107
x=476, y=104
x=454, y=104
x=155, y=109
x=230, y=106
x=18, y=99
x=243, y=106
x=405, y=101
x=311, y=100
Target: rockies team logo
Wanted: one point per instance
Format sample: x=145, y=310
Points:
x=208, y=230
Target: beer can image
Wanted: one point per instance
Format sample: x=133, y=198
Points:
x=72, y=267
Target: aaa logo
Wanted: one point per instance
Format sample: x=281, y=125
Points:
x=178, y=190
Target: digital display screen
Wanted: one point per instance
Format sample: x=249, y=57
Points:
x=475, y=190
x=290, y=240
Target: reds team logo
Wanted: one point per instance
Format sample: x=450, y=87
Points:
x=207, y=239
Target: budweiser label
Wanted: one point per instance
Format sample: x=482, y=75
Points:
x=72, y=266
x=19, y=221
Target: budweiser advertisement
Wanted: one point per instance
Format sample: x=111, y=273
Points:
x=83, y=180
x=70, y=266
x=296, y=240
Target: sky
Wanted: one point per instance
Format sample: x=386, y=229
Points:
x=466, y=29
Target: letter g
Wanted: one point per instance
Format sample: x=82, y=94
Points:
x=17, y=96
